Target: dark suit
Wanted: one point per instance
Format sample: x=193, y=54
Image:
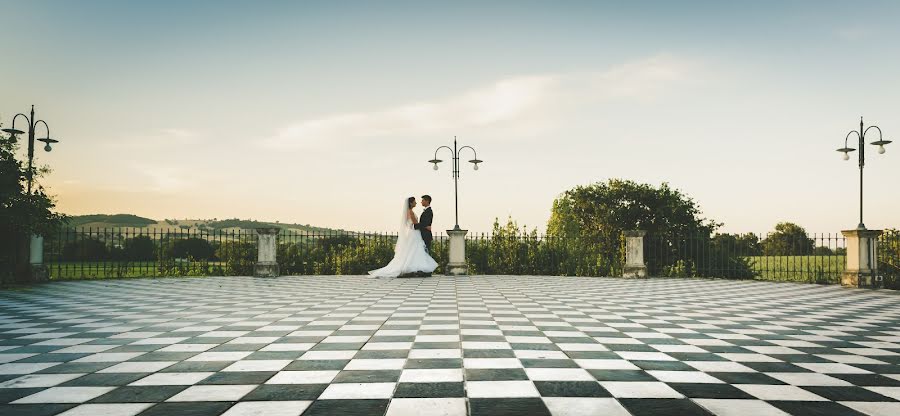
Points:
x=422, y=226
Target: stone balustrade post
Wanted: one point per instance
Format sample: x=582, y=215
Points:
x=266, y=263
x=862, y=259
x=39, y=272
x=457, y=264
x=634, y=254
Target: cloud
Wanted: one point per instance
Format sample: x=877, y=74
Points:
x=519, y=99
x=161, y=178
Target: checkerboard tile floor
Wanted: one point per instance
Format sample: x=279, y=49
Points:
x=494, y=345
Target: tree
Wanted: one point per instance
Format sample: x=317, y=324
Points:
x=789, y=239
x=140, y=248
x=678, y=237
x=21, y=214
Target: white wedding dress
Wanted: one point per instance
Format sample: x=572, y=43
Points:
x=409, y=253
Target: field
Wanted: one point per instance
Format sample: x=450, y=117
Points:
x=817, y=269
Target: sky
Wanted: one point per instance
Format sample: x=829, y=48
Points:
x=326, y=113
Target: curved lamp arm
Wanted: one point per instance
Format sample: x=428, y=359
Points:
x=848, y=136
x=45, y=126
x=12, y=130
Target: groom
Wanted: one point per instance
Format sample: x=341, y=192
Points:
x=424, y=225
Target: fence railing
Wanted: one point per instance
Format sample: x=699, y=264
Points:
x=78, y=253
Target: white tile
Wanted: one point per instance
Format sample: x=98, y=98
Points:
x=258, y=365
x=431, y=375
x=640, y=390
x=172, y=379
x=221, y=393
x=188, y=347
x=678, y=348
x=875, y=408
x=645, y=356
x=833, y=368
x=748, y=358
x=108, y=409
x=435, y=353
x=64, y=341
x=581, y=347
x=303, y=346
x=501, y=389
x=38, y=380
x=808, y=379
x=892, y=392
x=492, y=363
x=540, y=355
x=24, y=368
x=684, y=377
x=437, y=338
x=739, y=407
x=376, y=364
x=84, y=349
x=584, y=406
x=253, y=340
x=358, y=391
x=778, y=392
x=604, y=364
x=303, y=377
x=387, y=346
x=850, y=359
x=272, y=408
x=773, y=350
x=8, y=358
x=138, y=367
x=159, y=341
x=109, y=357
x=558, y=374
x=429, y=406
x=64, y=395
x=220, y=356
x=720, y=366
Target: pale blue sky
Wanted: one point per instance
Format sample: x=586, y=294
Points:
x=325, y=112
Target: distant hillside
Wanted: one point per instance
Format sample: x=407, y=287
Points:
x=134, y=221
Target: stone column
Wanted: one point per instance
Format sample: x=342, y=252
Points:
x=634, y=254
x=39, y=272
x=457, y=265
x=266, y=264
x=862, y=259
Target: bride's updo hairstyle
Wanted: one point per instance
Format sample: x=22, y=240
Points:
x=410, y=201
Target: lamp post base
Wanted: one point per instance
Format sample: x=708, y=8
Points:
x=39, y=273
x=266, y=269
x=457, y=265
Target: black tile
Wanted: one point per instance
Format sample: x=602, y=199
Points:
x=239, y=377
x=847, y=393
x=488, y=354
x=338, y=346
x=571, y=389
x=367, y=376
x=104, y=379
x=51, y=358
x=347, y=408
x=622, y=375
x=776, y=368
x=316, y=365
x=139, y=394
x=808, y=408
x=631, y=347
x=495, y=374
x=188, y=409
x=868, y=380
x=434, y=363
x=34, y=409
x=9, y=395
x=196, y=366
x=277, y=392
x=384, y=354
x=663, y=365
x=72, y=368
x=534, y=347
x=663, y=407
x=589, y=355
x=508, y=407
x=413, y=390
x=547, y=363
x=274, y=355
x=164, y=356
x=746, y=378
x=710, y=391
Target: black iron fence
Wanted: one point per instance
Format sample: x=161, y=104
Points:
x=78, y=253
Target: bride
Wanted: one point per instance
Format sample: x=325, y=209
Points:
x=410, y=255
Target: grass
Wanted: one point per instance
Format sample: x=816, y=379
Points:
x=115, y=269
x=815, y=269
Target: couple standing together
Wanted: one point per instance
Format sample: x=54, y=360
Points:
x=412, y=253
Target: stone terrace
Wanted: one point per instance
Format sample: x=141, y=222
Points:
x=481, y=345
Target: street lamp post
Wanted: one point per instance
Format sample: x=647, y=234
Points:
x=32, y=125
x=861, y=134
x=455, y=154
x=36, y=247
x=862, y=245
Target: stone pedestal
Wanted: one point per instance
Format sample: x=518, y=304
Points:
x=457, y=265
x=862, y=259
x=39, y=272
x=634, y=254
x=266, y=264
